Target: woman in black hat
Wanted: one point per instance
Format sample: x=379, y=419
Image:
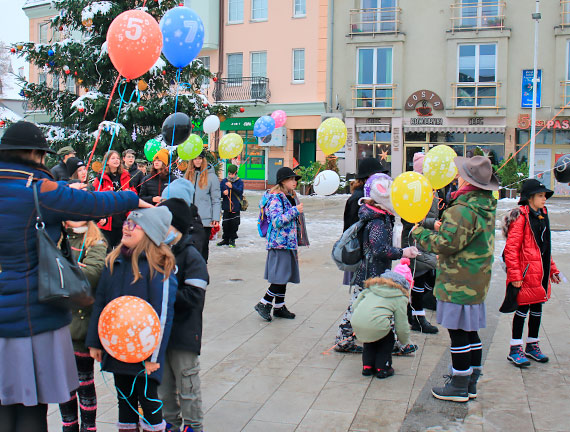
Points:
x=37, y=363
x=530, y=268
x=366, y=167
x=282, y=264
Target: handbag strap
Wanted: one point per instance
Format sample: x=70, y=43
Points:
x=39, y=219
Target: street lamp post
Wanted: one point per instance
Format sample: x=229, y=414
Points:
x=536, y=17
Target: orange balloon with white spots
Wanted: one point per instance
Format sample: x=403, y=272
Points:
x=129, y=329
x=134, y=43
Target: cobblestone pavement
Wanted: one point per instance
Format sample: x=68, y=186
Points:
x=274, y=377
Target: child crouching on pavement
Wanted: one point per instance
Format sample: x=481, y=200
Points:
x=180, y=388
x=383, y=299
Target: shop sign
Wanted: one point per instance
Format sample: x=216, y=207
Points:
x=524, y=123
x=238, y=123
x=437, y=121
x=526, y=88
x=421, y=101
x=476, y=121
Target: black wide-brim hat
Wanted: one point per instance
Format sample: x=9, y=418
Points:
x=531, y=187
x=369, y=166
x=285, y=173
x=24, y=136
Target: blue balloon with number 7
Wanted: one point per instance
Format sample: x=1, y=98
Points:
x=182, y=36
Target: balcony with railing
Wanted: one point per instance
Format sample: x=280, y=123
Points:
x=476, y=95
x=374, y=21
x=242, y=89
x=565, y=94
x=477, y=15
x=373, y=97
x=565, y=13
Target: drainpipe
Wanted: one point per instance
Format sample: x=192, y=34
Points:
x=330, y=56
x=220, y=72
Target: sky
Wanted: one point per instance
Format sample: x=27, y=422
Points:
x=14, y=27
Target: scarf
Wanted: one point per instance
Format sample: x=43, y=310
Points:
x=464, y=190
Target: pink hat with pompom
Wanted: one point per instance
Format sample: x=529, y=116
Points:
x=404, y=269
x=419, y=162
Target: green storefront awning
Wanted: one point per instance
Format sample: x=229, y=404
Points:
x=232, y=124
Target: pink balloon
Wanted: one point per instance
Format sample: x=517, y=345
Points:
x=280, y=118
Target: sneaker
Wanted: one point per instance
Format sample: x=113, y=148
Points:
x=517, y=356
x=223, y=243
x=367, y=371
x=232, y=243
x=455, y=389
x=421, y=324
x=533, y=351
x=406, y=349
x=283, y=312
x=264, y=310
x=385, y=372
x=350, y=348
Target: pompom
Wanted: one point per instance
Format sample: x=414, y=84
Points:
x=405, y=261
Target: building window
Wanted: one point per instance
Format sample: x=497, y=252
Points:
x=235, y=68
x=235, y=11
x=477, y=67
x=375, y=16
x=376, y=145
x=42, y=78
x=258, y=10
x=298, y=65
x=205, y=61
x=70, y=84
x=299, y=8
x=259, y=64
x=565, y=12
x=43, y=33
x=374, y=87
x=478, y=14
x=55, y=82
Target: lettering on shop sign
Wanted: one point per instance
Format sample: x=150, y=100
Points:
x=476, y=121
x=396, y=139
x=437, y=121
x=421, y=101
x=525, y=123
x=349, y=138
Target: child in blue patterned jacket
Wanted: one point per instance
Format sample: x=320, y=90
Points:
x=282, y=265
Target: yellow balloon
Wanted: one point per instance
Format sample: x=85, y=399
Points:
x=439, y=167
x=230, y=146
x=331, y=135
x=496, y=195
x=411, y=195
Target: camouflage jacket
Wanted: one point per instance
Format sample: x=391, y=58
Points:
x=464, y=244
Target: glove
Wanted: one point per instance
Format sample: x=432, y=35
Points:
x=410, y=252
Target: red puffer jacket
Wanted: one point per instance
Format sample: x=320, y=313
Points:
x=521, y=250
x=107, y=185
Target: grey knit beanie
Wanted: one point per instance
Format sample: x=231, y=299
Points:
x=155, y=222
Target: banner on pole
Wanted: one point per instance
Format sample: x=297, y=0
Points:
x=526, y=88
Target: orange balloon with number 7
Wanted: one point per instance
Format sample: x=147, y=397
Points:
x=129, y=329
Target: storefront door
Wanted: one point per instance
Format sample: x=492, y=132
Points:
x=252, y=160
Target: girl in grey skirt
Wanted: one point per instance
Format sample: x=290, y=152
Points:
x=282, y=265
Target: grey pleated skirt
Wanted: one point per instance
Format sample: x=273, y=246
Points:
x=37, y=370
x=282, y=267
x=454, y=316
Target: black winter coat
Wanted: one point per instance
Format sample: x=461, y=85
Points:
x=152, y=186
x=351, y=209
x=59, y=172
x=193, y=279
x=136, y=178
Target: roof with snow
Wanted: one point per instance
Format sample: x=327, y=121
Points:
x=8, y=114
x=10, y=87
x=32, y=3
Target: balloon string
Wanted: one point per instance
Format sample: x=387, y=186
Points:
x=106, y=111
x=150, y=178
x=178, y=74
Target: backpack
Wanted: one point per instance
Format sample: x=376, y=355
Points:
x=262, y=219
x=244, y=203
x=347, y=252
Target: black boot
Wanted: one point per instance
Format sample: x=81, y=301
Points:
x=264, y=310
x=472, y=388
x=224, y=242
x=232, y=243
x=421, y=324
x=455, y=389
x=283, y=312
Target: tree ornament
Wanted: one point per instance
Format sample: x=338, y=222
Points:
x=241, y=109
x=80, y=109
x=20, y=47
x=79, y=80
x=2, y=123
x=134, y=135
x=75, y=73
x=163, y=72
x=60, y=28
x=51, y=63
x=215, y=79
x=141, y=108
x=88, y=23
x=51, y=52
x=65, y=68
x=12, y=50
x=205, y=105
x=142, y=85
x=67, y=72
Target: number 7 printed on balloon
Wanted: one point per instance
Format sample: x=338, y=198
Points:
x=417, y=188
x=192, y=27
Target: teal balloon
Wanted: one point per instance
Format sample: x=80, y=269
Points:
x=151, y=148
x=191, y=148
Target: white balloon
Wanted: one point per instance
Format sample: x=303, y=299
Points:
x=326, y=183
x=211, y=124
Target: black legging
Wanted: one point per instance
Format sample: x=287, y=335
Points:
x=378, y=355
x=129, y=414
x=417, y=294
x=22, y=418
x=206, y=246
x=533, y=321
x=466, y=349
x=277, y=292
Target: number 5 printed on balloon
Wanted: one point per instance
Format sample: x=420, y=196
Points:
x=134, y=26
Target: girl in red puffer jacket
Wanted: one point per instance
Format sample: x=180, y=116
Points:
x=529, y=267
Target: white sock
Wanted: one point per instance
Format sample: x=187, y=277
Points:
x=461, y=373
x=278, y=305
x=265, y=302
x=515, y=342
x=419, y=313
x=531, y=340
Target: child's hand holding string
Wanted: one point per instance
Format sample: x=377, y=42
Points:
x=96, y=353
x=151, y=367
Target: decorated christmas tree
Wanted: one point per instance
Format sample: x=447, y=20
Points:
x=78, y=49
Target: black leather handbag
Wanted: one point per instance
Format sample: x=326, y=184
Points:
x=61, y=281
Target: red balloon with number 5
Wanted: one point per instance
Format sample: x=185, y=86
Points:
x=134, y=42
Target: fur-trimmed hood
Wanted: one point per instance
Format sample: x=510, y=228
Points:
x=508, y=218
x=386, y=287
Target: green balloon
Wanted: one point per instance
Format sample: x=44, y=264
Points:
x=151, y=148
x=191, y=148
